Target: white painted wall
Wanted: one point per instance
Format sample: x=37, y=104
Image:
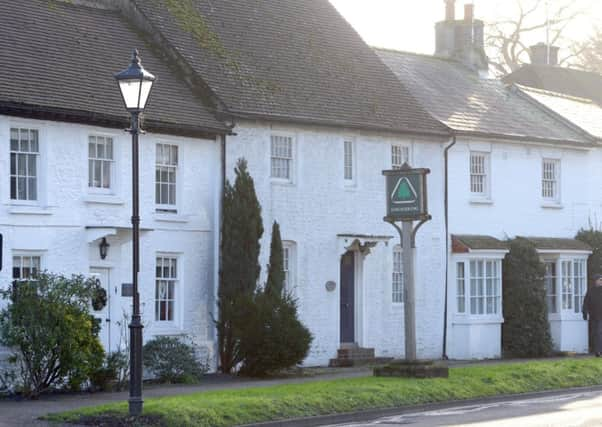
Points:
x=317, y=206
x=516, y=209
x=56, y=229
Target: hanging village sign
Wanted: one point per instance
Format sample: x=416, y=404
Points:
x=406, y=194
x=406, y=203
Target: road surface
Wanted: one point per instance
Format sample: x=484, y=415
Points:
x=564, y=410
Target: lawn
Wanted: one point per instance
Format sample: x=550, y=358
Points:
x=234, y=407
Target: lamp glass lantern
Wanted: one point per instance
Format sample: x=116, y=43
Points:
x=135, y=85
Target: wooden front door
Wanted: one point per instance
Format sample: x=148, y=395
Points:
x=348, y=298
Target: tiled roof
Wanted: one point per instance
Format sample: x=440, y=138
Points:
x=59, y=57
x=468, y=103
x=466, y=243
x=560, y=244
x=294, y=60
x=579, y=83
x=582, y=112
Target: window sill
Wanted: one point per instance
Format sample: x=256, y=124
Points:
x=480, y=201
x=551, y=205
x=570, y=316
x=29, y=210
x=170, y=217
x=158, y=329
x=282, y=181
x=460, y=319
x=104, y=199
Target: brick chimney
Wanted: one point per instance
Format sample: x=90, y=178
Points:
x=540, y=56
x=463, y=39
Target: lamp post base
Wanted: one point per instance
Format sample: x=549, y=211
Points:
x=135, y=401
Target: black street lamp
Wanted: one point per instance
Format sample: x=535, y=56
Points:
x=135, y=85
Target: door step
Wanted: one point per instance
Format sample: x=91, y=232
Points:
x=356, y=356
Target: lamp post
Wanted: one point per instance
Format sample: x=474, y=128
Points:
x=135, y=84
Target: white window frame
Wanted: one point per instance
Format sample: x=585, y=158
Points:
x=38, y=167
x=397, y=277
x=400, y=154
x=571, y=282
x=275, y=137
x=289, y=256
x=161, y=167
x=110, y=161
x=480, y=174
x=550, y=183
x=176, y=294
x=22, y=255
x=349, y=161
x=461, y=287
x=495, y=258
x=551, y=282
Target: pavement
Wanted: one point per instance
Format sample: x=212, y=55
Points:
x=14, y=412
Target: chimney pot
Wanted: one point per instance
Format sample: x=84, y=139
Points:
x=469, y=12
x=450, y=10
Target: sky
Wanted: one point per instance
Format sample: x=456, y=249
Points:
x=409, y=24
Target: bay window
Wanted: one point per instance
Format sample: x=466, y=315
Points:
x=479, y=287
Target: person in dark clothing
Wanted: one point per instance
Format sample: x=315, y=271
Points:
x=592, y=306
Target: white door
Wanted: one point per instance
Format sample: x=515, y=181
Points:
x=103, y=275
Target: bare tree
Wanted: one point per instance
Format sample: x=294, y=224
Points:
x=589, y=53
x=506, y=43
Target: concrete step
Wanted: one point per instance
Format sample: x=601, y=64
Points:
x=346, y=363
x=355, y=353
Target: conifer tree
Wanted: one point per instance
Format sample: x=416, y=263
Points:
x=242, y=229
x=275, y=283
x=526, y=331
x=274, y=338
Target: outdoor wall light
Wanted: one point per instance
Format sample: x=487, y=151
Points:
x=104, y=248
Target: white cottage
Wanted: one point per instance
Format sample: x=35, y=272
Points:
x=65, y=163
x=318, y=117
x=512, y=169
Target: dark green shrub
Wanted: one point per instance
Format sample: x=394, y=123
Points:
x=239, y=270
x=594, y=239
x=54, y=338
x=170, y=360
x=526, y=331
x=273, y=338
x=112, y=375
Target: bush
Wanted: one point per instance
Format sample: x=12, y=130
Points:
x=594, y=239
x=273, y=338
x=172, y=361
x=112, y=375
x=55, y=339
x=526, y=331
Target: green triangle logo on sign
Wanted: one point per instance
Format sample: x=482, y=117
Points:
x=404, y=192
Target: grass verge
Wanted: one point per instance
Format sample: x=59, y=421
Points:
x=235, y=407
